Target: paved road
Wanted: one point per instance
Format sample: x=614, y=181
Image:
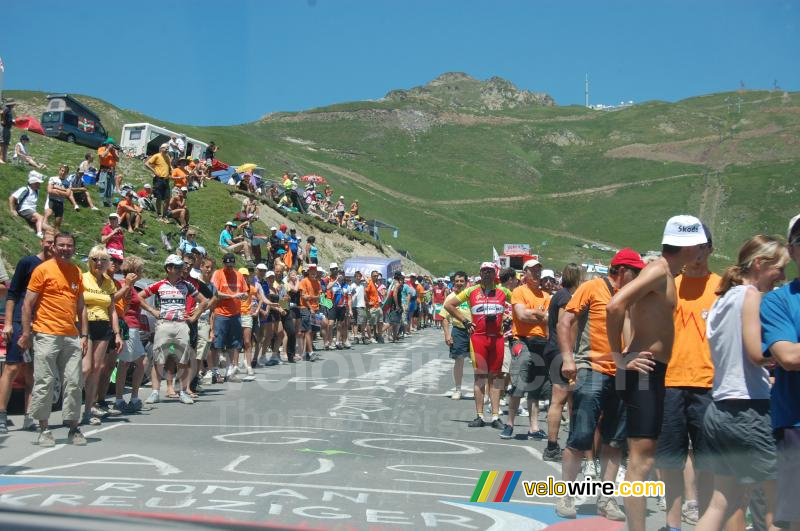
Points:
x=362, y=438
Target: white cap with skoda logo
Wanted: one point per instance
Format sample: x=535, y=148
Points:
x=684, y=231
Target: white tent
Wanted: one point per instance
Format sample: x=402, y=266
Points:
x=145, y=139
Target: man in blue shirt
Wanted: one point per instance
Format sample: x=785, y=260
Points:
x=294, y=245
x=780, y=330
x=230, y=244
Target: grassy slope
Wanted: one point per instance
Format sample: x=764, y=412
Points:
x=519, y=158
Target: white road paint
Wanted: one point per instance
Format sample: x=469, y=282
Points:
x=503, y=520
x=465, y=448
x=358, y=406
x=162, y=468
x=428, y=470
x=358, y=420
x=325, y=466
x=27, y=459
x=231, y=437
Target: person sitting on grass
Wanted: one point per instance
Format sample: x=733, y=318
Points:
x=130, y=213
x=229, y=243
x=57, y=192
x=21, y=153
x=178, y=209
x=24, y=201
x=79, y=190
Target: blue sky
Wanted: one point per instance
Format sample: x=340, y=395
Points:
x=225, y=62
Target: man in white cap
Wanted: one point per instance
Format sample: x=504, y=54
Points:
x=24, y=201
x=650, y=301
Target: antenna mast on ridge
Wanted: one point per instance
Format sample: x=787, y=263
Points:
x=586, y=90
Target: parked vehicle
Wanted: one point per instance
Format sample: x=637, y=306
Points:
x=143, y=140
x=68, y=119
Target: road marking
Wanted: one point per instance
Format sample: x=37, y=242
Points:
x=325, y=466
x=409, y=470
x=466, y=449
x=162, y=468
x=356, y=420
x=45, y=451
x=229, y=437
x=427, y=494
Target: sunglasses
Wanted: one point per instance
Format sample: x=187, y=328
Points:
x=100, y=260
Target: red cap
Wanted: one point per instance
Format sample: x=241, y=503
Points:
x=628, y=257
x=283, y=227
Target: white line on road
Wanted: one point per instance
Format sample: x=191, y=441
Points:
x=357, y=420
x=269, y=483
x=34, y=455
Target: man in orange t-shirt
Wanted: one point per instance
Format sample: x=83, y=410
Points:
x=375, y=312
x=689, y=378
x=589, y=364
x=528, y=371
x=310, y=291
x=180, y=177
x=55, y=298
x=108, y=158
x=129, y=212
x=226, y=326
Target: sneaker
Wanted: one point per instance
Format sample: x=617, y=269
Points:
x=523, y=412
x=690, y=512
x=608, y=507
x=99, y=411
x=185, y=398
x=46, y=439
x=95, y=209
x=508, y=432
x=153, y=398
x=374, y=340
x=218, y=378
x=456, y=395
x=537, y=435
x=565, y=507
x=40, y=235
x=551, y=454
x=76, y=437
x=250, y=376
x=77, y=208
x=262, y=361
x=477, y=422
x=504, y=401
x=272, y=362
x=661, y=503
x=347, y=345
x=3, y=426
x=339, y=346
x=94, y=421
x=497, y=424
x=233, y=379
x=207, y=379
x=28, y=424
x=119, y=405
x=589, y=468
x=135, y=405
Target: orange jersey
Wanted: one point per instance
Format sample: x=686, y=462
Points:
x=59, y=286
x=107, y=157
x=373, y=297
x=247, y=304
x=310, y=288
x=228, y=282
x=690, y=364
x=589, y=304
x=532, y=300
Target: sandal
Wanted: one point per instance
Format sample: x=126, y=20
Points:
x=193, y=395
x=173, y=395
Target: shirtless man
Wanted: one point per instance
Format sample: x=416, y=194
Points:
x=650, y=301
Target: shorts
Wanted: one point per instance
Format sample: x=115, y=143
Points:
x=527, y=368
x=227, y=332
x=306, y=321
x=56, y=206
x=487, y=353
x=395, y=317
x=788, y=444
x=375, y=316
x=436, y=309
x=203, y=344
x=740, y=441
x=100, y=330
x=14, y=354
x=360, y=316
x=27, y=215
x=595, y=393
x=684, y=409
x=81, y=198
x=643, y=396
x=160, y=188
x=247, y=321
x=273, y=316
x=460, y=347
x=340, y=314
x=132, y=348
x=553, y=362
x=192, y=334
x=412, y=307
x=171, y=341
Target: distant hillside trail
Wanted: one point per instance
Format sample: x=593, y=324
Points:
x=552, y=232
x=506, y=199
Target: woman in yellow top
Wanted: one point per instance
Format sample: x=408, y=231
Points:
x=101, y=326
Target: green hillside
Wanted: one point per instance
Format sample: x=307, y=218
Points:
x=462, y=165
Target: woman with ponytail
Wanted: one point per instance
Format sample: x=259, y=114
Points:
x=737, y=424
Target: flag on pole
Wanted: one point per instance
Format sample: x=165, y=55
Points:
x=495, y=256
x=2, y=69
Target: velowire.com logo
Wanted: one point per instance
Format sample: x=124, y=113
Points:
x=494, y=486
